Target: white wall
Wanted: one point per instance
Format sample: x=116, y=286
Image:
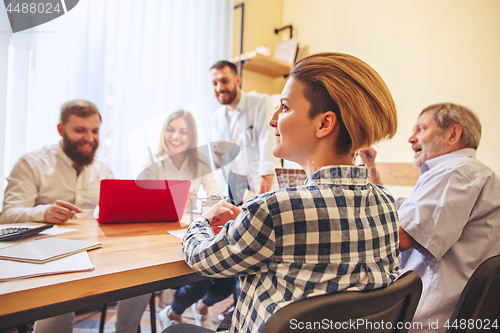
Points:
x=427, y=51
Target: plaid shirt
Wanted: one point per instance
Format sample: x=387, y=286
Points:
x=338, y=232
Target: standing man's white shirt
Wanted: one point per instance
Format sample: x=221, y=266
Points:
x=238, y=164
x=41, y=177
x=256, y=136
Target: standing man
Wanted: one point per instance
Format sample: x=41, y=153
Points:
x=451, y=221
x=243, y=119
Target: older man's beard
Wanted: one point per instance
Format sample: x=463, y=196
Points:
x=80, y=158
x=433, y=148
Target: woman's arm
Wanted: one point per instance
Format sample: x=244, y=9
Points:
x=244, y=245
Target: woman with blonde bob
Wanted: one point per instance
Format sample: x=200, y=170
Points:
x=337, y=232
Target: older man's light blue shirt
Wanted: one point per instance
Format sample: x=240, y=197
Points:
x=454, y=215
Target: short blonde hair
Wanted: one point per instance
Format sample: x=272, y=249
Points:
x=355, y=92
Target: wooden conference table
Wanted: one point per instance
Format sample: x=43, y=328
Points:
x=135, y=259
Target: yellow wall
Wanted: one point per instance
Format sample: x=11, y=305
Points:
x=261, y=18
x=427, y=51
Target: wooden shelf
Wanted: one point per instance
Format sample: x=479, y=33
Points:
x=262, y=64
x=404, y=174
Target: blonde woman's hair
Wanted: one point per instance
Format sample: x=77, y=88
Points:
x=191, y=151
x=357, y=94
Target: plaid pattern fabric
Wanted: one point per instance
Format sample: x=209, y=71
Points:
x=338, y=232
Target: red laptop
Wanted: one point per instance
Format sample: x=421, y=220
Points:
x=126, y=201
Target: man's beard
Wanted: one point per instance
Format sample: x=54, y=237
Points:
x=231, y=96
x=71, y=149
x=434, y=148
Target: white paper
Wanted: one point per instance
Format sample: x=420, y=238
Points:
x=178, y=233
x=54, y=231
x=11, y=270
x=286, y=50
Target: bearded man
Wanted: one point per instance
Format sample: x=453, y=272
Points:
x=450, y=223
x=243, y=118
x=58, y=181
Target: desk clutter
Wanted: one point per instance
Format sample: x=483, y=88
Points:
x=44, y=250
x=14, y=233
x=11, y=270
x=45, y=256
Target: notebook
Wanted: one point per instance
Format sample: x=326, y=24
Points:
x=127, y=201
x=13, y=270
x=47, y=249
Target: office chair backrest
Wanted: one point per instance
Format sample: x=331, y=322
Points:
x=479, y=303
x=378, y=310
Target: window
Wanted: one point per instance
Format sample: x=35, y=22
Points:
x=136, y=60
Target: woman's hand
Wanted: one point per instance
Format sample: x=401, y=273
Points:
x=367, y=156
x=220, y=213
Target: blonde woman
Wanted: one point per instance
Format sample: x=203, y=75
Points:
x=178, y=156
x=336, y=232
x=178, y=159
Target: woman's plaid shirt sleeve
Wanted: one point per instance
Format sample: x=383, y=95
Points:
x=244, y=246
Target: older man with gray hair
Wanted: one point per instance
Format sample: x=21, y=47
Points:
x=451, y=221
